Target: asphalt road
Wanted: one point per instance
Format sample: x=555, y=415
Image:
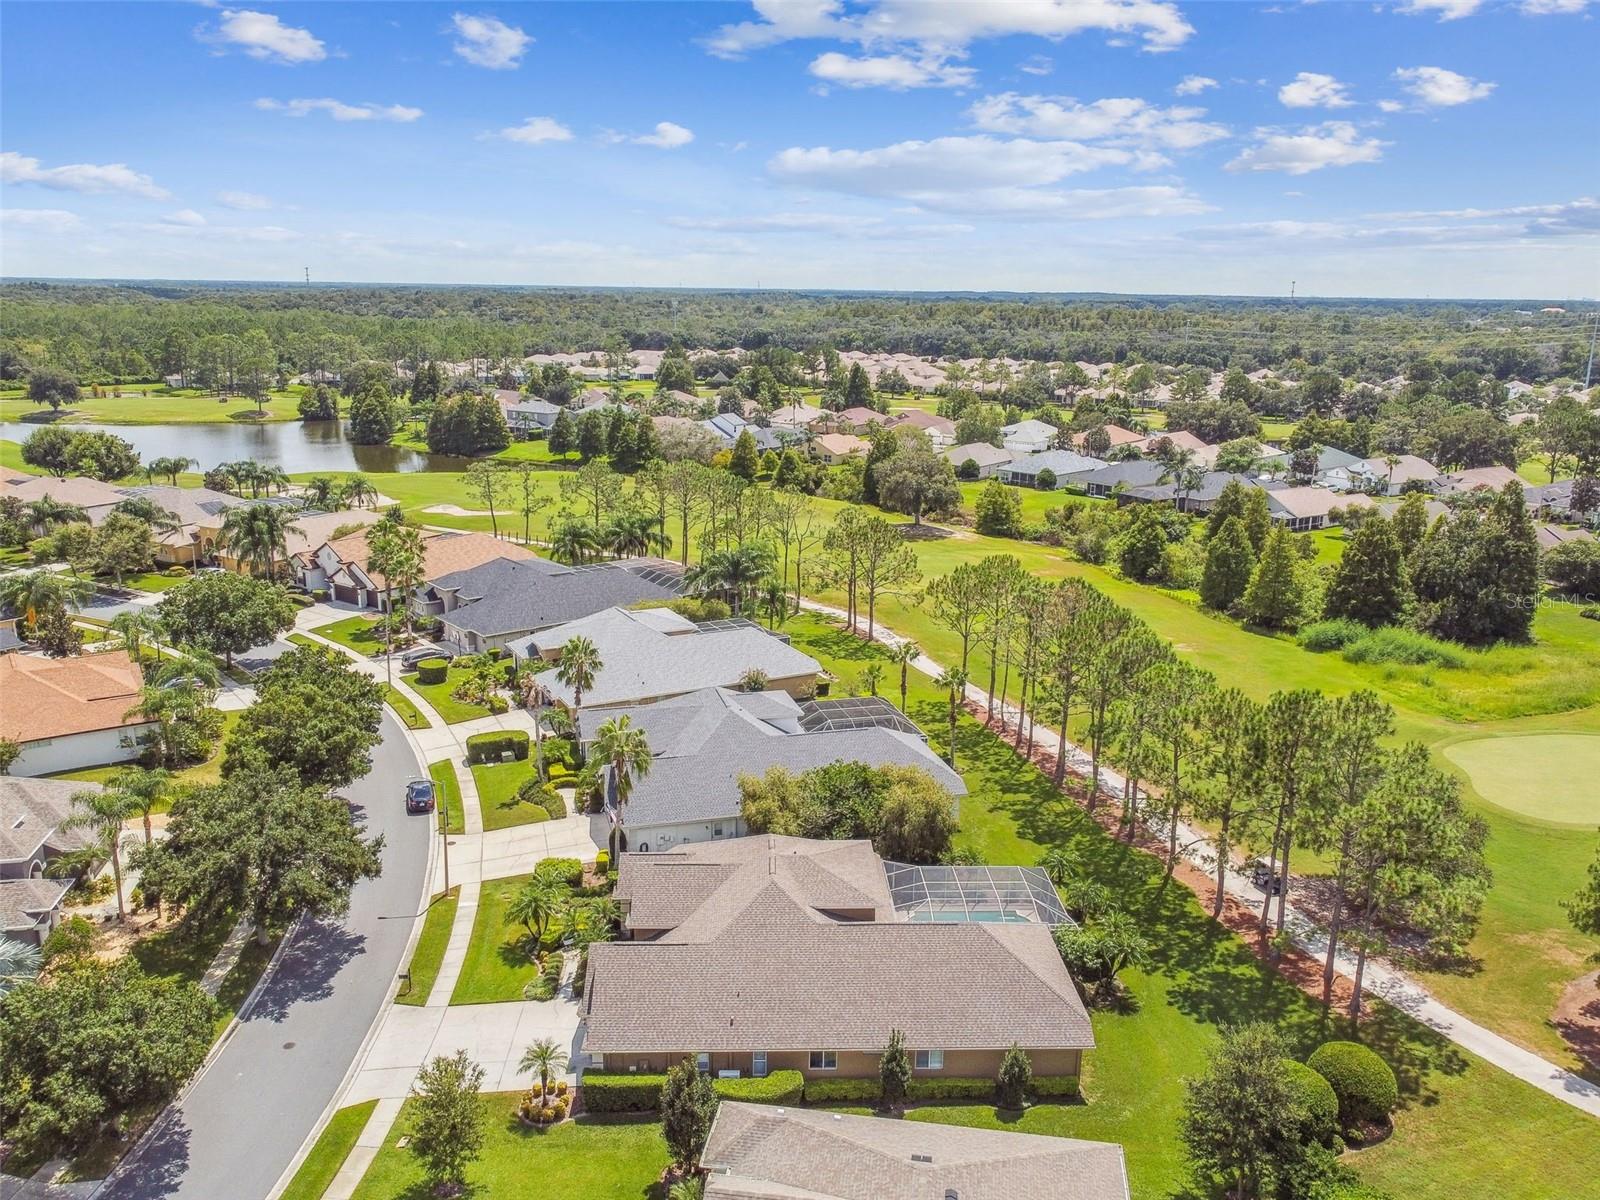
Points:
x=242, y=1122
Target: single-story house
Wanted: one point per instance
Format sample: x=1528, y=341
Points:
x=95, y=498
x=833, y=448
x=1329, y=458
x=794, y=416
x=489, y=605
x=764, y=1152
x=703, y=742
x=1179, y=439
x=1475, y=479
x=652, y=654
x=342, y=563
x=1028, y=437
x=1551, y=536
x=768, y=953
x=68, y=713
x=989, y=459
x=1118, y=436
x=529, y=416
x=856, y=419
x=726, y=428
x=1024, y=471
x=1305, y=508
x=941, y=431
x=1106, y=478
x=1198, y=499
x=1377, y=476
x=33, y=833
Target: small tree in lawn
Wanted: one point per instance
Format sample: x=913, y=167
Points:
x=1242, y=1119
x=1016, y=1073
x=447, y=1133
x=954, y=681
x=894, y=1071
x=688, y=1104
x=545, y=1057
x=903, y=654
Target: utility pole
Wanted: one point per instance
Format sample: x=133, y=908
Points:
x=308, y=275
x=444, y=833
x=1588, y=371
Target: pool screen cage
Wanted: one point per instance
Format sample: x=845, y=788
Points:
x=988, y=894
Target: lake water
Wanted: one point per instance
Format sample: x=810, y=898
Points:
x=296, y=446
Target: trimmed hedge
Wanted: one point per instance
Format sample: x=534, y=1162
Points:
x=564, y=870
x=1317, y=1098
x=544, y=987
x=618, y=1092
x=1363, y=1082
x=493, y=746
x=780, y=1087
x=1049, y=1087
x=553, y=804
x=432, y=670
x=844, y=1091
x=950, y=1087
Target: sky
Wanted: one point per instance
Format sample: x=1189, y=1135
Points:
x=1423, y=148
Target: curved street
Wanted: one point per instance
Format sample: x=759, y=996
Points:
x=242, y=1121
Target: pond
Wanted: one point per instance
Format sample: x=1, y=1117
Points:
x=296, y=446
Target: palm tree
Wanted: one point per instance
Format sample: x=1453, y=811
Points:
x=577, y=667
x=545, y=1057
x=143, y=788
x=954, y=681
x=775, y=600
x=358, y=490
x=170, y=467
x=692, y=1188
x=903, y=653
x=45, y=513
x=631, y=535
x=871, y=676
x=321, y=490
x=736, y=572
x=597, y=918
x=19, y=964
x=534, y=905
x=257, y=534
x=161, y=521
x=625, y=747
x=1061, y=865
x=188, y=668
x=274, y=478
x=103, y=811
x=574, y=540
x=137, y=629
x=36, y=594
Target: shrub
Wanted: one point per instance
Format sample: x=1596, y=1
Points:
x=432, y=670
x=1391, y=644
x=1574, y=567
x=497, y=703
x=1317, y=1097
x=1016, y=1072
x=1045, y=481
x=544, y=987
x=552, y=803
x=780, y=1087
x=951, y=1087
x=568, y=871
x=300, y=601
x=494, y=745
x=72, y=939
x=602, y=862
x=1052, y=1086
x=175, y=572
x=1363, y=1082
x=533, y=790
x=617, y=1091
x=843, y=1091
x=1591, y=611
x=1336, y=634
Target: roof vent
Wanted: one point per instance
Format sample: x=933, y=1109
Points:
x=922, y=1158
x=951, y=1194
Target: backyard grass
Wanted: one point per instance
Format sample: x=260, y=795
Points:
x=194, y=775
x=497, y=965
x=332, y=1147
x=452, y=819
x=153, y=581
x=1461, y=1119
x=431, y=943
x=156, y=405
x=497, y=794
x=591, y=1158
x=451, y=711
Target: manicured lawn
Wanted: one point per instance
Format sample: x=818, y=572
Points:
x=159, y=405
x=153, y=581
x=356, y=634
x=452, y=818
x=332, y=1147
x=408, y=712
x=1462, y=1118
x=195, y=775
x=591, y=1158
x=497, y=964
x=497, y=793
x=450, y=710
x=1550, y=776
x=431, y=943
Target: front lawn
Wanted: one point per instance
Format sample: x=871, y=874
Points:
x=591, y=1158
x=333, y=1146
x=431, y=943
x=438, y=695
x=498, y=965
x=194, y=775
x=152, y=581
x=358, y=635
x=497, y=793
x=447, y=802
x=410, y=716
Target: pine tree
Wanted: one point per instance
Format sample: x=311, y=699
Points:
x=1509, y=564
x=1230, y=502
x=372, y=416
x=1257, y=518
x=744, y=462
x=894, y=1071
x=1144, y=546
x=594, y=435
x=563, y=438
x=1370, y=584
x=1230, y=561
x=1276, y=597
x=884, y=447
x=857, y=390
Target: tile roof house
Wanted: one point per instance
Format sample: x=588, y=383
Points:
x=767, y=953
x=1475, y=479
x=68, y=713
x=343, y=562
x=1024, y=471
x=495, y=602
x=1305, y=508
x=762, y=1152
x=989, y=459
x=33, y=813
x=308, y=531
x=704, y=741
x=651, y=654
x=1028, y=437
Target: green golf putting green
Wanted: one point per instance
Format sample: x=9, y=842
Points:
x=1550, y=776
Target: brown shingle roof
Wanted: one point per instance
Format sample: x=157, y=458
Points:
x=54, y=697
x=443, y=553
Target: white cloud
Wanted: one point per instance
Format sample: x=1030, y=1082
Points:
x=537, y=129
x=947, y=26
x=1549, y=8
x=894, y=71
x=1331, y=144
x=1436, y=87
x=79, y=177
x=1448, y=10
x=244, y=201
x=46, y=220
x=667, y=136
x=1037, y=64
x=184, y=216
x=1193, y=85
x=340, y=111
x=1311, y=90
x=834, y=224
x=1119, y=120
x=264, y=36
x=1391, y=106
x=486, y=41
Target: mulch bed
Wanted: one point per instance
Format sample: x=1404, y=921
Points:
x=1577, y=1017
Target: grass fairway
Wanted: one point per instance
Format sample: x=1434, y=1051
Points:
x=327, y=1156
x=431, y=943
x=497, y=965
x=1548, y=776
x=592, y=1158
x=157, y=405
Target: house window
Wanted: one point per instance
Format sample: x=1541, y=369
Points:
x=702, y=1062
x=758, y=1064
x=930, y=1060
x=716, y=830
x=824, y=1060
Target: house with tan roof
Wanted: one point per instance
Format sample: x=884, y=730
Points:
x=95, y=498
x=768, y=953
x=941, y=431
x=342, y=563
x=68, y=713
x=1475, y=479
x=1307, y=508
x=1119, y=437
x=762, y=1152
x=832, y=449
x=794, y=416
x=989, y=460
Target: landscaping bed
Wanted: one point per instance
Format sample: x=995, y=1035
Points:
x=498, y=965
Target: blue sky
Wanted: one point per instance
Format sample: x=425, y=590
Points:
x=1430, y=147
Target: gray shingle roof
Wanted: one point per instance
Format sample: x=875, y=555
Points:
x=521, y=597
x=761, y=1152
x=1062, y=462
x=1136, y=472
x=1210, y=488
x=32, y=812
x=24, y=901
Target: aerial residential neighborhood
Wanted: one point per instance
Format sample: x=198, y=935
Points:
x=825, y=600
